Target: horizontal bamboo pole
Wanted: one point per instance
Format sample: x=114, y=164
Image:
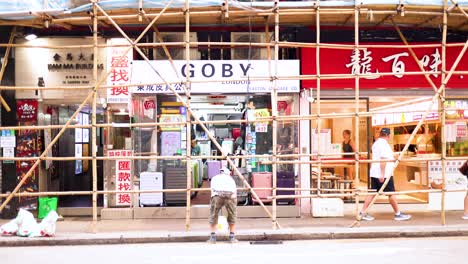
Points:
x=353, y=192
x=197, y=44
x=235, y=15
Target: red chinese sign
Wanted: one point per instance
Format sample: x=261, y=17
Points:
x=123, y=178
x=375, y=61
x=119, y=64
x=26, y=110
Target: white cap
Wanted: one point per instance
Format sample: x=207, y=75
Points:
x=225, y=170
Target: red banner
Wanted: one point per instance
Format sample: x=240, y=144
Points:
x=382, y=60
x=26, y=110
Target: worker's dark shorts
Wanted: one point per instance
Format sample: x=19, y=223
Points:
x=376, y=184
x=217, y=203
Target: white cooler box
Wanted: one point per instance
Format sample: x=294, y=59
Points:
x=151, y=181
x=327, y=207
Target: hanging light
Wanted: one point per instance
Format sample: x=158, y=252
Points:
x=30, y=36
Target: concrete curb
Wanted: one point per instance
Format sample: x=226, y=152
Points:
x=129, y=238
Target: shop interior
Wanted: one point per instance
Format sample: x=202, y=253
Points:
x=237, y=139
x=401, y=115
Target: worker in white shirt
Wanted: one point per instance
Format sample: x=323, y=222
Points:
x=223, y=193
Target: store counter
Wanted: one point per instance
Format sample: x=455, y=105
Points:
x=412, y=175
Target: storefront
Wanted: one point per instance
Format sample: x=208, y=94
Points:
x=220, y=96
x=396, y=101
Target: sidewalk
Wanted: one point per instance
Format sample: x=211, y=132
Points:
x=77, y=231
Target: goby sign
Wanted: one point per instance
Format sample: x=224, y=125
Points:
x=214, y=76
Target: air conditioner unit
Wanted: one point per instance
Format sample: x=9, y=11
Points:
x=256, y=53
x=177, y=53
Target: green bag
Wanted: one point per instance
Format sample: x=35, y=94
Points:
x=46, y=204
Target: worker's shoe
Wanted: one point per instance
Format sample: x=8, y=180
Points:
x=212, y=239
x=232, y=238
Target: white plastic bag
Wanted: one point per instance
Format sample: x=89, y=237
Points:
x=48, y=225
x=9, y=228
x=223, y=226
x=26, y=223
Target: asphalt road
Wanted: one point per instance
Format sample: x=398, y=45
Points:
x=421, y=251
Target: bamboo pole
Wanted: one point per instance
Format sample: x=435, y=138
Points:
x=282, y=44
x=442, y=106
x=189, y=123
x=93, y=121
x=229, y=160
x=274, y=113
x=421, y=67
x=458, y=6
x=4, y=64
x=361, y=192
x=356, y=101
x=318, y=126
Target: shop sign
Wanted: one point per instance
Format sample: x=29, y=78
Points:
x=405, y=114
x=119, y=63
x=72, y=68
x=214, y=76
x=123, y=179
x=374, y=61
x=26, y=110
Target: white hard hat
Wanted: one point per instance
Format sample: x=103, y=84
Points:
x=225, y=170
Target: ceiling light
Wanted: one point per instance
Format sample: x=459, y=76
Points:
x=30, y=37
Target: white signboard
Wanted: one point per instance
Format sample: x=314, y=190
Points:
x=231, y=76
x=119, y=63
x=8, y=141
x=123, y=178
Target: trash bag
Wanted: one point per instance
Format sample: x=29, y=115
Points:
x=26, y=223
x=48, y=225
x=46, y=204
x=223, y=226
x=9, y=228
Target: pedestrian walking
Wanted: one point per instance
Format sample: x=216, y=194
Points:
x=380, y=171
x=464, y=170
x=223, y=194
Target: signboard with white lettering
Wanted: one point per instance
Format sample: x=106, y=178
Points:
x=214, y=76
x=375, y=61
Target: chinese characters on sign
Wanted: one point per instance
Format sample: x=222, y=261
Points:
x=26, y=110
x=120, y=65
x=123, y=178
x=374, y=62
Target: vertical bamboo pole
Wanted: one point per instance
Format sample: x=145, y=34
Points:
x=274, y=112
x=442, y=106
x=317, y=66
x=4, y=64
x=356, y=98
x=93, y=119
x=188, y=115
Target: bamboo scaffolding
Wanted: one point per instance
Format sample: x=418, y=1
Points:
x=4, y=64
x=189, y=120
x=317, y=64
x=442, y=106
x=93, y=121
x=240, y=15
x=274, y=113
x=418, y=126
x=356, y=191
x=234, y=14
x=229, y=160
x=200, y=44
x=54, y=140
x=356, y=100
